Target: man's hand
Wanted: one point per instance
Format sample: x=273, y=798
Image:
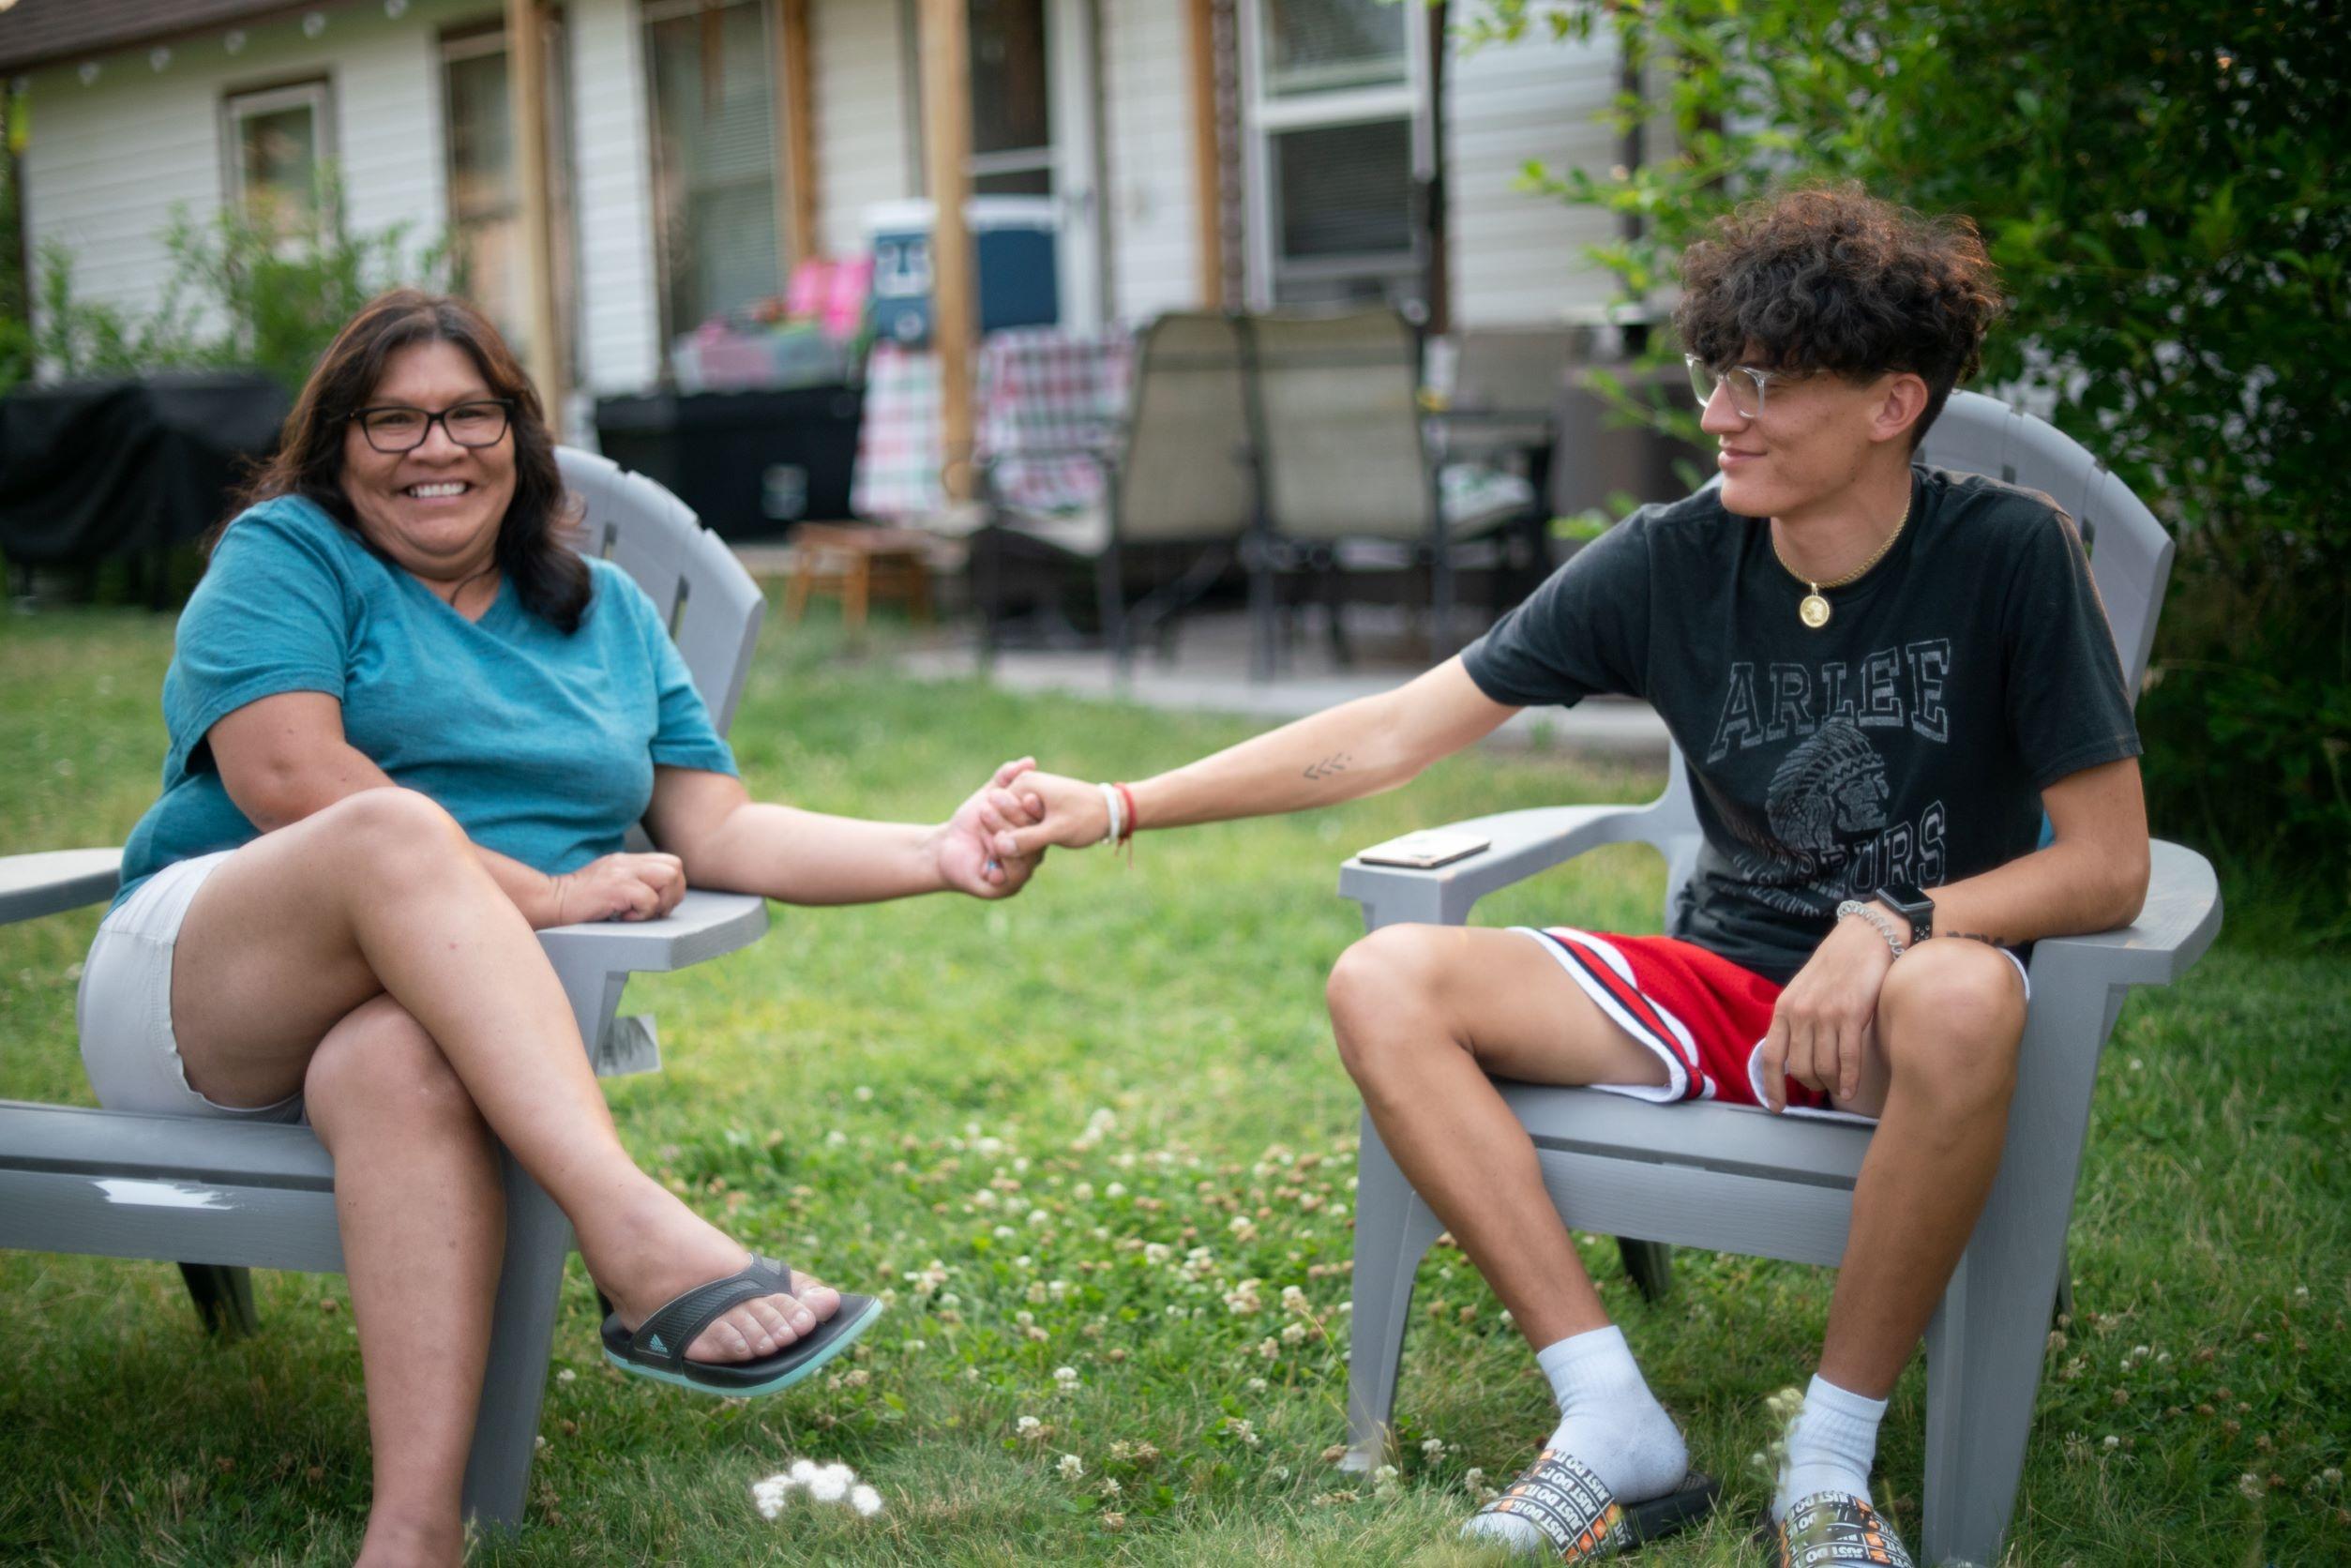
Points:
x=969, y=857
x=1827, y=1016
x=1046, y=808
x=619, y=887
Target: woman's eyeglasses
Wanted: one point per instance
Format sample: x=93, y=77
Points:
x=393, y=429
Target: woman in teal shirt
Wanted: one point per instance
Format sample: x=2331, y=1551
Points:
x=409, y=726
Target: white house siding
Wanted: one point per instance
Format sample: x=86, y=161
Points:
x=1150, y=217
x=865, y=116
x=1516, y=258
x=620, y=326
x=108, y=163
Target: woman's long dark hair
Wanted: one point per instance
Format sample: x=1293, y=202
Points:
x=533, y=550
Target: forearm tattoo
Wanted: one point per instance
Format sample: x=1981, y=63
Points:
x=1335, y=763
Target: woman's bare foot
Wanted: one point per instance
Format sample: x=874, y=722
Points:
x=396, y=1539
x=660, y=1249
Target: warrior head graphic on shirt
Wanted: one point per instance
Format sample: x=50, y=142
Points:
x=1831, y=788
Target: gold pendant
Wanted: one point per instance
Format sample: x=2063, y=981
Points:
x=1814, y=611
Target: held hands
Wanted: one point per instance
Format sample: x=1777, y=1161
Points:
x=1828, y=1015
x=1046, y=809
x=968, y=855
x=619, y=887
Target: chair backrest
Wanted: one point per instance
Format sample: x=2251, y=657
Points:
x=1340, y=426
x=2129, y=551
x=1505, y=370
x=1184, y=470
x=708, y=601
x=2130, y=560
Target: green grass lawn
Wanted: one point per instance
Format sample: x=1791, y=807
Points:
x=1023, y=1119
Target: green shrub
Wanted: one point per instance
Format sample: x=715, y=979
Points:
x=2161, y=182
x=238, y=292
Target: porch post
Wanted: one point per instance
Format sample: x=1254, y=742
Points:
x=946, y=87
x=526, y=63
x=795, y=141
x=1206, y=160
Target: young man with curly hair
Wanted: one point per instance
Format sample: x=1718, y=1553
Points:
x=1880, y=676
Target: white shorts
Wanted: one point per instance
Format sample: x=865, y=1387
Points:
x=124, y=1008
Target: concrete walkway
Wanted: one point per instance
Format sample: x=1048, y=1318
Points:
x=1210, y=673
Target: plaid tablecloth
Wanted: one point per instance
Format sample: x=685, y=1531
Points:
x=1038, y=389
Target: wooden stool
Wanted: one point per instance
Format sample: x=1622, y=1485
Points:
x=856, y=564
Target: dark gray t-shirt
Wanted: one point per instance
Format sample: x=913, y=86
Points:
x=1908, y=740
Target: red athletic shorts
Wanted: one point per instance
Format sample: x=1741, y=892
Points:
x=1704, y=1016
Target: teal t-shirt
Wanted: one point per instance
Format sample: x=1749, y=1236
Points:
x=541, y=745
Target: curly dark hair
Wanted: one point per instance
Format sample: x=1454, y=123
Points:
x=533, y=550
x=1832, y=279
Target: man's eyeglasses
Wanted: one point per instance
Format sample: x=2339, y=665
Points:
x=393, y=429
x=1747, y=384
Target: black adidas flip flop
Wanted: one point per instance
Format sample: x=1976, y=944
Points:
x=1577, y=1513
x=657, y=1348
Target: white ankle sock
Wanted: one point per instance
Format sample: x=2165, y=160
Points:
x=1609, y=1421
x=1831, y=1445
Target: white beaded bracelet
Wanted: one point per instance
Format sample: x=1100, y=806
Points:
x=1885, y=927
x=1110, y=804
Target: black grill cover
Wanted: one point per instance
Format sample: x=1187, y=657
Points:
x=93, y=468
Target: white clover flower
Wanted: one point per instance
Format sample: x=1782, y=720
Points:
x=2250, y=1485
x=1039, y=1219
x=1035, y=1295
x=1255, y=1385
x=1057, y=1290
x=1294, y=1299
x=1118, y=1189
x=950, y=1301
x=1005, y=1232
x=803, y=1471
x=1293, y=1332
x=1024, y=1319
x=1156, y=1252
x=566, y=1376
x=863, y=1091
x=1026, y=1425
x=983, y=1198
x=1269, y=1350
x=1024, y=1261
x=2111, y=1443
x=1112, y=1488
x=1243, y=1428
x=1244, y=1228
x=1242, y=1300
x=1067, y=1376
x=1277, y=1472
x=1071, y=1466
x=836, y=1139
x=1473, y=1479
x=1434, y=1448
x=929, y=1278
x=1082, y=1192
x=865, y=1500
x=831, y=1484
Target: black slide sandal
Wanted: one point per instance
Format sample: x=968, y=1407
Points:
x=657, y=1348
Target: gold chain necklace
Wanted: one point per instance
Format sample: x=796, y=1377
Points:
x=1814, y=609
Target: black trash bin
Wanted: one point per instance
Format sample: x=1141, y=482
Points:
x=750, y=463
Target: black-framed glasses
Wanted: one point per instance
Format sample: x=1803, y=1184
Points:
x=394, y=428
x=1748, y=385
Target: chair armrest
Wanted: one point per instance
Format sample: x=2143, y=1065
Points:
x=2181, y=916
x=1523, y=843
x=32, y=886
x=703, y=925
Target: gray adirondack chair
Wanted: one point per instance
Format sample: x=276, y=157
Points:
x=1734, y=1179
x=220, y=1198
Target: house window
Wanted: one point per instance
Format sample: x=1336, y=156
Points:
x=1335, y=112
x=276, y=157
x=486, y=237
x=713, y=157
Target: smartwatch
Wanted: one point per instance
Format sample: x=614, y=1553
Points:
x=1909, y=901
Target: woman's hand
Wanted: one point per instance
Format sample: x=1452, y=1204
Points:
x=1828, y=1015
x=1047, y=809
x=620, y=887
x=964, y=849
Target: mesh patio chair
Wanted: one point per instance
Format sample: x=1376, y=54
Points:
x=1089, y=467
x=1351, y=478
x=1735, y=1179
x=222, y=1196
